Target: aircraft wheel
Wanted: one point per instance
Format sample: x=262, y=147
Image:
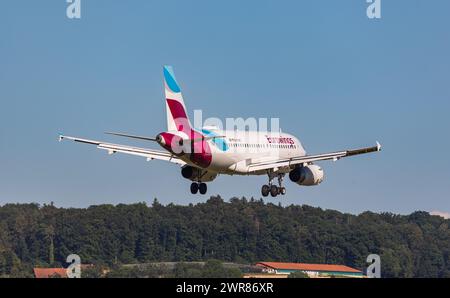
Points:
x=194, y=188
x=265, y=190
x=202, y=188
x=282, y=190
x=273, y=190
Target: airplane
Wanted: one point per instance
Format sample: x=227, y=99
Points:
x=205, y=153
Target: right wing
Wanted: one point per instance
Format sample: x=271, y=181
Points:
x=113, y=148
x=288, y=162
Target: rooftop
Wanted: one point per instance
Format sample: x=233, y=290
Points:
x=49, y=272
x=308, y=267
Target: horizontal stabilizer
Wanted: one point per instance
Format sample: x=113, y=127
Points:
x=131, y=136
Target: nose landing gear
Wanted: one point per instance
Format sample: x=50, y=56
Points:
x=272, y=189
x=198, y=187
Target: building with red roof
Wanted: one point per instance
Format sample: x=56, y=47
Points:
x=56, y=272
x=50, y=273
x=312, y=270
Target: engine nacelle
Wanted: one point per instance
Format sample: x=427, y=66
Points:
x=307, y=176
x=196, y=174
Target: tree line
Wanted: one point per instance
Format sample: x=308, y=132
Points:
x=240, y=230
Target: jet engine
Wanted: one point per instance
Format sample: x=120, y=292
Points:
x=196, y=174
x=307, y=175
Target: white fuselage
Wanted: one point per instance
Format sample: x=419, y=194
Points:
x=232, y=151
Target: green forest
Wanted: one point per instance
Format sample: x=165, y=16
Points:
x=243, y=231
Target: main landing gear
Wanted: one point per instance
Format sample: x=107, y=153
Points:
x=272, y=189
x=198, y=187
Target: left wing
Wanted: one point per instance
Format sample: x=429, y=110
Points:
x=267, y=165
x=155, y=140
x=113, y=148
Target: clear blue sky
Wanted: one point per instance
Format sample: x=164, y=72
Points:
x=335, y=79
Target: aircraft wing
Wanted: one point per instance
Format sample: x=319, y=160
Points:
x=150, y=154
x=267, y=165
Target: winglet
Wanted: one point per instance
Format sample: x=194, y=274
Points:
x=378, y=146
x=60, y=138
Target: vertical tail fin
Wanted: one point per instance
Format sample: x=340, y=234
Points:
x=177, y=119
